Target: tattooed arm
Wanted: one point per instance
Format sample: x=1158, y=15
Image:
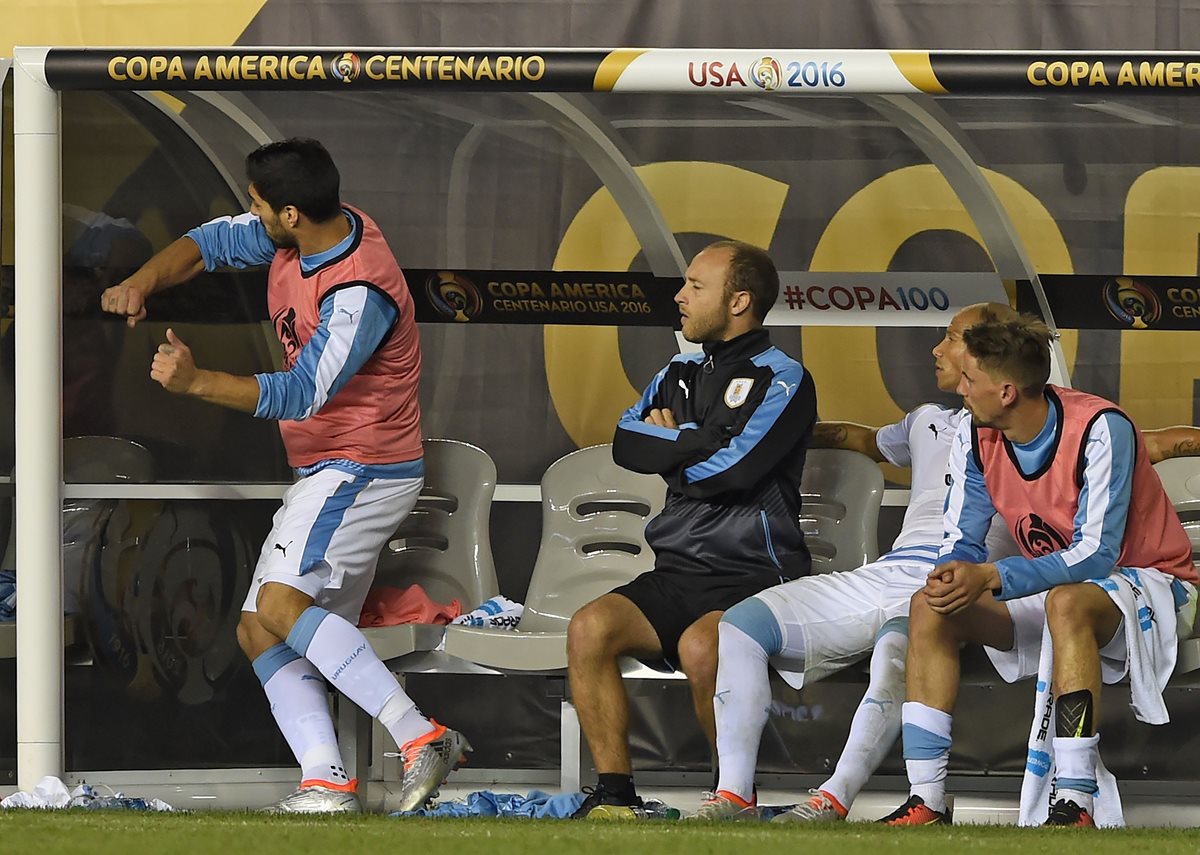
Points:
x=1178, y=441
x=848, y=435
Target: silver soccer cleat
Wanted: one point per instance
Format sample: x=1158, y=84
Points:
x=427, y=763
x=720, y=807
x=818, y=808
x=314, y=798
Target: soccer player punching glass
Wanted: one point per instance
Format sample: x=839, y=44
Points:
x=346, y=403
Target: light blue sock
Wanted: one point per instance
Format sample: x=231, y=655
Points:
x=926, y=733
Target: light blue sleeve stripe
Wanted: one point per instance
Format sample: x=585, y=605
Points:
x=239, y=241
x=669, y=434
x=272, y=659
x=326, y=524
x=968, y=506
x=1099, y=521
x=305, y=628
x=354, y=321
x=785, y=380
x=1107, y=473
x=631, y=419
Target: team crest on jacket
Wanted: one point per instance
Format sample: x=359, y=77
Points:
x=737, y=391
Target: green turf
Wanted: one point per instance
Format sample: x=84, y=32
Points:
x=127, y=833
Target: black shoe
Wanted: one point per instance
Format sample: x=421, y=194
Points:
x=916, y=812
x=600, y=797
x=1067, y=813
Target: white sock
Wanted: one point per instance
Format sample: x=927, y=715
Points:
x=876, y=723
x=341, y=652
x=402, y=719
x=926, y=734
x=1075, y=769
x=742, y=704
x=300, y=704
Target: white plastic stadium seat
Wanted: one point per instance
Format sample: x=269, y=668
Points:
x=594, y=516
x=444, y=546
x=842, y=493
x=593, y=522
x=1181, y=479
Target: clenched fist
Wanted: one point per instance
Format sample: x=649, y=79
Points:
x=124, y=299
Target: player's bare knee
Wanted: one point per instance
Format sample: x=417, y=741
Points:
x=698, y=657
x=590, y=632
x=1069, y=607
x=926, y=625
x=920, y=615
x=1081, y=609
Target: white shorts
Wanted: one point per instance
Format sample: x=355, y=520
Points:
x=830, y=620
x=325, y=540
x=1029, y=620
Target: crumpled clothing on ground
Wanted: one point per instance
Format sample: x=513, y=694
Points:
x=52, y=794
x=536, y=805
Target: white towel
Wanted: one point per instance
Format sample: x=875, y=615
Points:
x=1038, y=786
x=1147, y=604
x=498, y=613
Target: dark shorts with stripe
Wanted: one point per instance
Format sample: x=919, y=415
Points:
x=672, y=601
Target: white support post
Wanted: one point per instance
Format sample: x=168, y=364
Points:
x=39, y=473
x=571, y=749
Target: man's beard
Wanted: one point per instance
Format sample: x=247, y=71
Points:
x=702, y=330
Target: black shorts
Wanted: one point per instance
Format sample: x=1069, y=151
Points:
x=673, y=601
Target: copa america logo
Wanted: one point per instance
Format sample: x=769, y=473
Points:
x=1037, y=537
x=453, y=296
x=346, y=67
x=766, y=74
x=1131, y=302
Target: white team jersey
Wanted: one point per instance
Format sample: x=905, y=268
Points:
x=921, y=441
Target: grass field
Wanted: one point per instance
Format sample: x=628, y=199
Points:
x=128, y=833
